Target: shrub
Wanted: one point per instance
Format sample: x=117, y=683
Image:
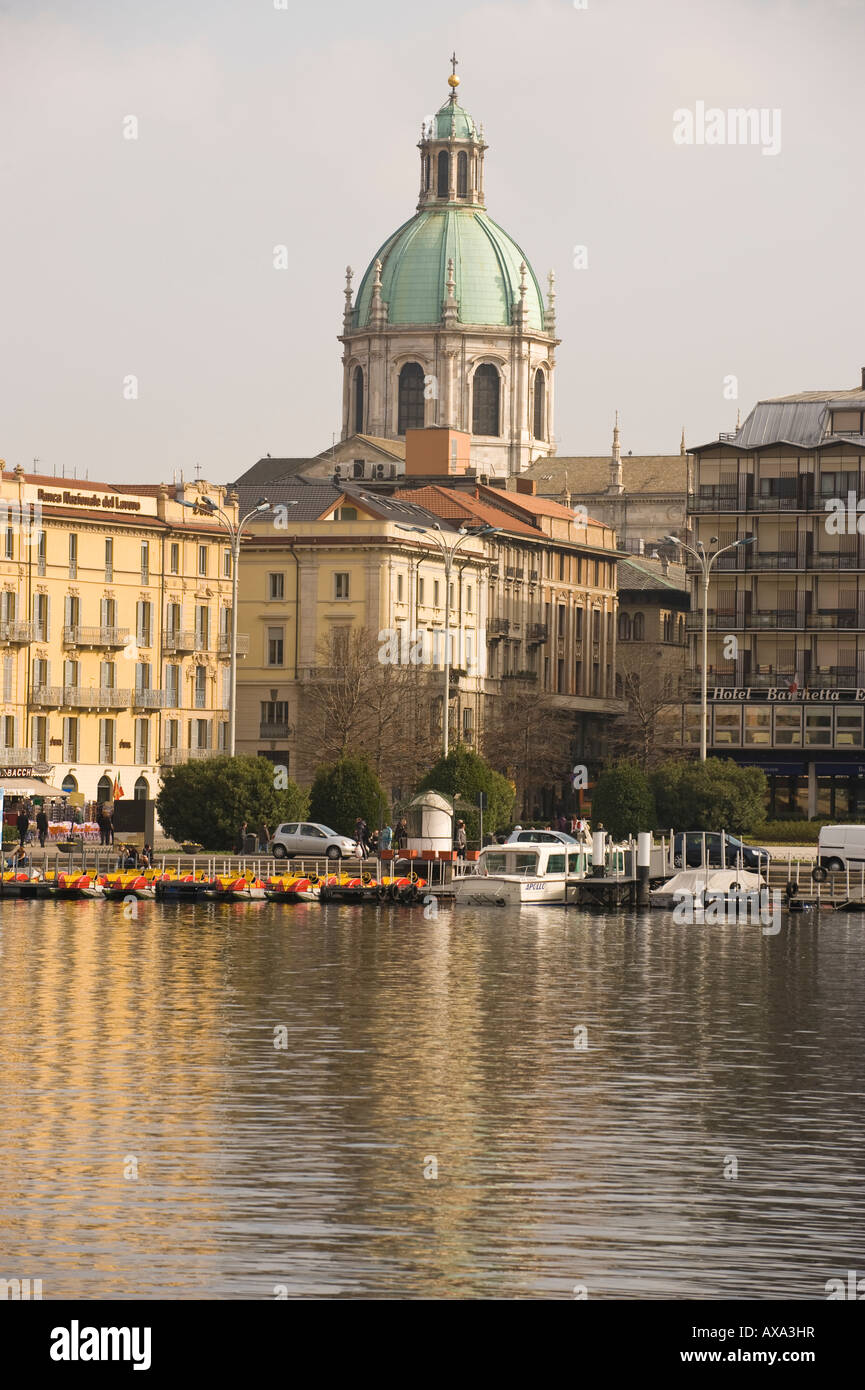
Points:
x=715, y=795
x=464, y=774
x=622, y=800
x=345, y=790
x=207, y=801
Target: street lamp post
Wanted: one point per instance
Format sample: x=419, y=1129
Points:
x=206, y=507
x=448, y=553
x=706, y=559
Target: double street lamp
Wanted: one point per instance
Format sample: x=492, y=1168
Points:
x=706, y=559
x=205, y=506
x=448, y=552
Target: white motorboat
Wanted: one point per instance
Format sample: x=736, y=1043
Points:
x=700, y=887
x=527, y=871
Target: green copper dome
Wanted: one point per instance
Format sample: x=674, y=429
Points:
x=415, y=267
x=452, y=122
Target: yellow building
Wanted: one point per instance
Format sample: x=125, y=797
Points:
x=114, y=631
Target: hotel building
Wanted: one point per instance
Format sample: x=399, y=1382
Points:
x=786, y=662
x=115, y=614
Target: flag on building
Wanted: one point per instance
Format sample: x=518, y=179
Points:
x=117, y=790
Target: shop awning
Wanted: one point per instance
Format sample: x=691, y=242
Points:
x=28, y=786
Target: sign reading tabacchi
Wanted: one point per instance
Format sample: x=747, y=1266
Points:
x=778, y=695
x=109, y=500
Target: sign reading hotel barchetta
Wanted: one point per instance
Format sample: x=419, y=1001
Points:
x=778, y=694
x=110, y=501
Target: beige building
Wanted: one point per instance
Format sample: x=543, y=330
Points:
x=114, y=631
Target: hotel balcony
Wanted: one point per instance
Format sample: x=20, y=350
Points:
x=186, y=641
x=149, y=699
x=24, y=757
x=75, y=636
x=14, y=633
x=497, y=628
x=273, y=730
x=95, y=697
x=832, y=620
x=537, y=634
x=824, y=678
x=170, y=757
x=224, y=644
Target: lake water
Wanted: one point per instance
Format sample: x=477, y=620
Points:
x=417, y=1046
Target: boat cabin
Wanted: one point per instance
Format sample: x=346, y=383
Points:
x=535, y=860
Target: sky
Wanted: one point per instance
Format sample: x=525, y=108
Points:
x=145, y=329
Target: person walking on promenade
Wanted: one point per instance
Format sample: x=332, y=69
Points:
x=360, y=835
x=401, y=833
x=42, y=826
x=240, y=843
x=461, y=839
x=263, y=837
x=23, y=824
x=386, y=839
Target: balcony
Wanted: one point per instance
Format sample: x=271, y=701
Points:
x=274, y=730
x=529, y=676
x=14, y=633
x=47, y=696
x=149, y=699
x=171, y=757
x=24, y=757
x=537, y=634
x=825, y=678
x=75, y=636
x=224, y=644
x=834, y=620
x=498, y=627
x=187, y=641
x=724, y=500
x=840, y=560
x=94, y=697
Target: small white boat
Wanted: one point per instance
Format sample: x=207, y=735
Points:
x=702, y=886
x=524, y=872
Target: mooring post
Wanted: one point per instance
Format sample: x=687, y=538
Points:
x=644, y=865
x=599, y=839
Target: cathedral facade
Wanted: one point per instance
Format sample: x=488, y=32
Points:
x=448, y=325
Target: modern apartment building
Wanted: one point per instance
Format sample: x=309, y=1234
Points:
x=115, y=615
x=786, y=663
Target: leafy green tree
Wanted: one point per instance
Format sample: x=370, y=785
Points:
x=207, y=801
x=622, y=800
x=715, y=795
x=345, y=790
x=464, y=774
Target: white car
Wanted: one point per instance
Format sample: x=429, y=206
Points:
x=543, y=837
x=310, y=840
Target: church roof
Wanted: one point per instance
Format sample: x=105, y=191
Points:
x=643, y=574
x=414, y=271
x=268, y=470
x=452, y=122
x=586, y=475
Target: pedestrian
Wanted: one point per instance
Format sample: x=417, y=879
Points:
x=374, y=843
x=108, y=817
x=240, y=844
x=386, y=838
x=145, y=859
x=23, y=824
x=360, y=834
x=263, y=836
x=461, y=839
x=402, y=833
x=42, y=826
x=563, y=823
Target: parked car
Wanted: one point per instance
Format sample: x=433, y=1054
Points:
x=688, y=851
x=839, y=846
x=311, y=840
x=544, y=837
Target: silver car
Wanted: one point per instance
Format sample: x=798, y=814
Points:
x=310, y=840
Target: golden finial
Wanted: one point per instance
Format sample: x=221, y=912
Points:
x=453, y=80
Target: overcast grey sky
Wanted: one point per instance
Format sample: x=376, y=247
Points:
x=261, y=126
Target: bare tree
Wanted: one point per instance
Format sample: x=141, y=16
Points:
x=530, y=739
x=651, y=679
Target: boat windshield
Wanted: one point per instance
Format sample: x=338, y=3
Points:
x=511, y=861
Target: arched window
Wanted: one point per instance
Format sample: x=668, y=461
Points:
x=462, y=174
x=639, y=628
x=141, y=790
x=485, y=400
x=539, y=429
x=358, y=400
x=104, y=789
x=426, y=172
x=69, y=783
x=624, y=627
x=444, y=174
x=410, y=408
x=620, y=688
x=681, y=627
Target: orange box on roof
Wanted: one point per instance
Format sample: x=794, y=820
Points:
x=437, y=450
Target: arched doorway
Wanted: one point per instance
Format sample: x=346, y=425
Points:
x=141, y=791
x=69, y=783
x=103, y=789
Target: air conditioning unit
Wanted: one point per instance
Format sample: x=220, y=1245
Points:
x=379, y=470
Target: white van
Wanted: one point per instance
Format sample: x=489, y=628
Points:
x=840, y=845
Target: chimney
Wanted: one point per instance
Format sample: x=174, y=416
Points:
x=862, y=370
x=665, y=562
